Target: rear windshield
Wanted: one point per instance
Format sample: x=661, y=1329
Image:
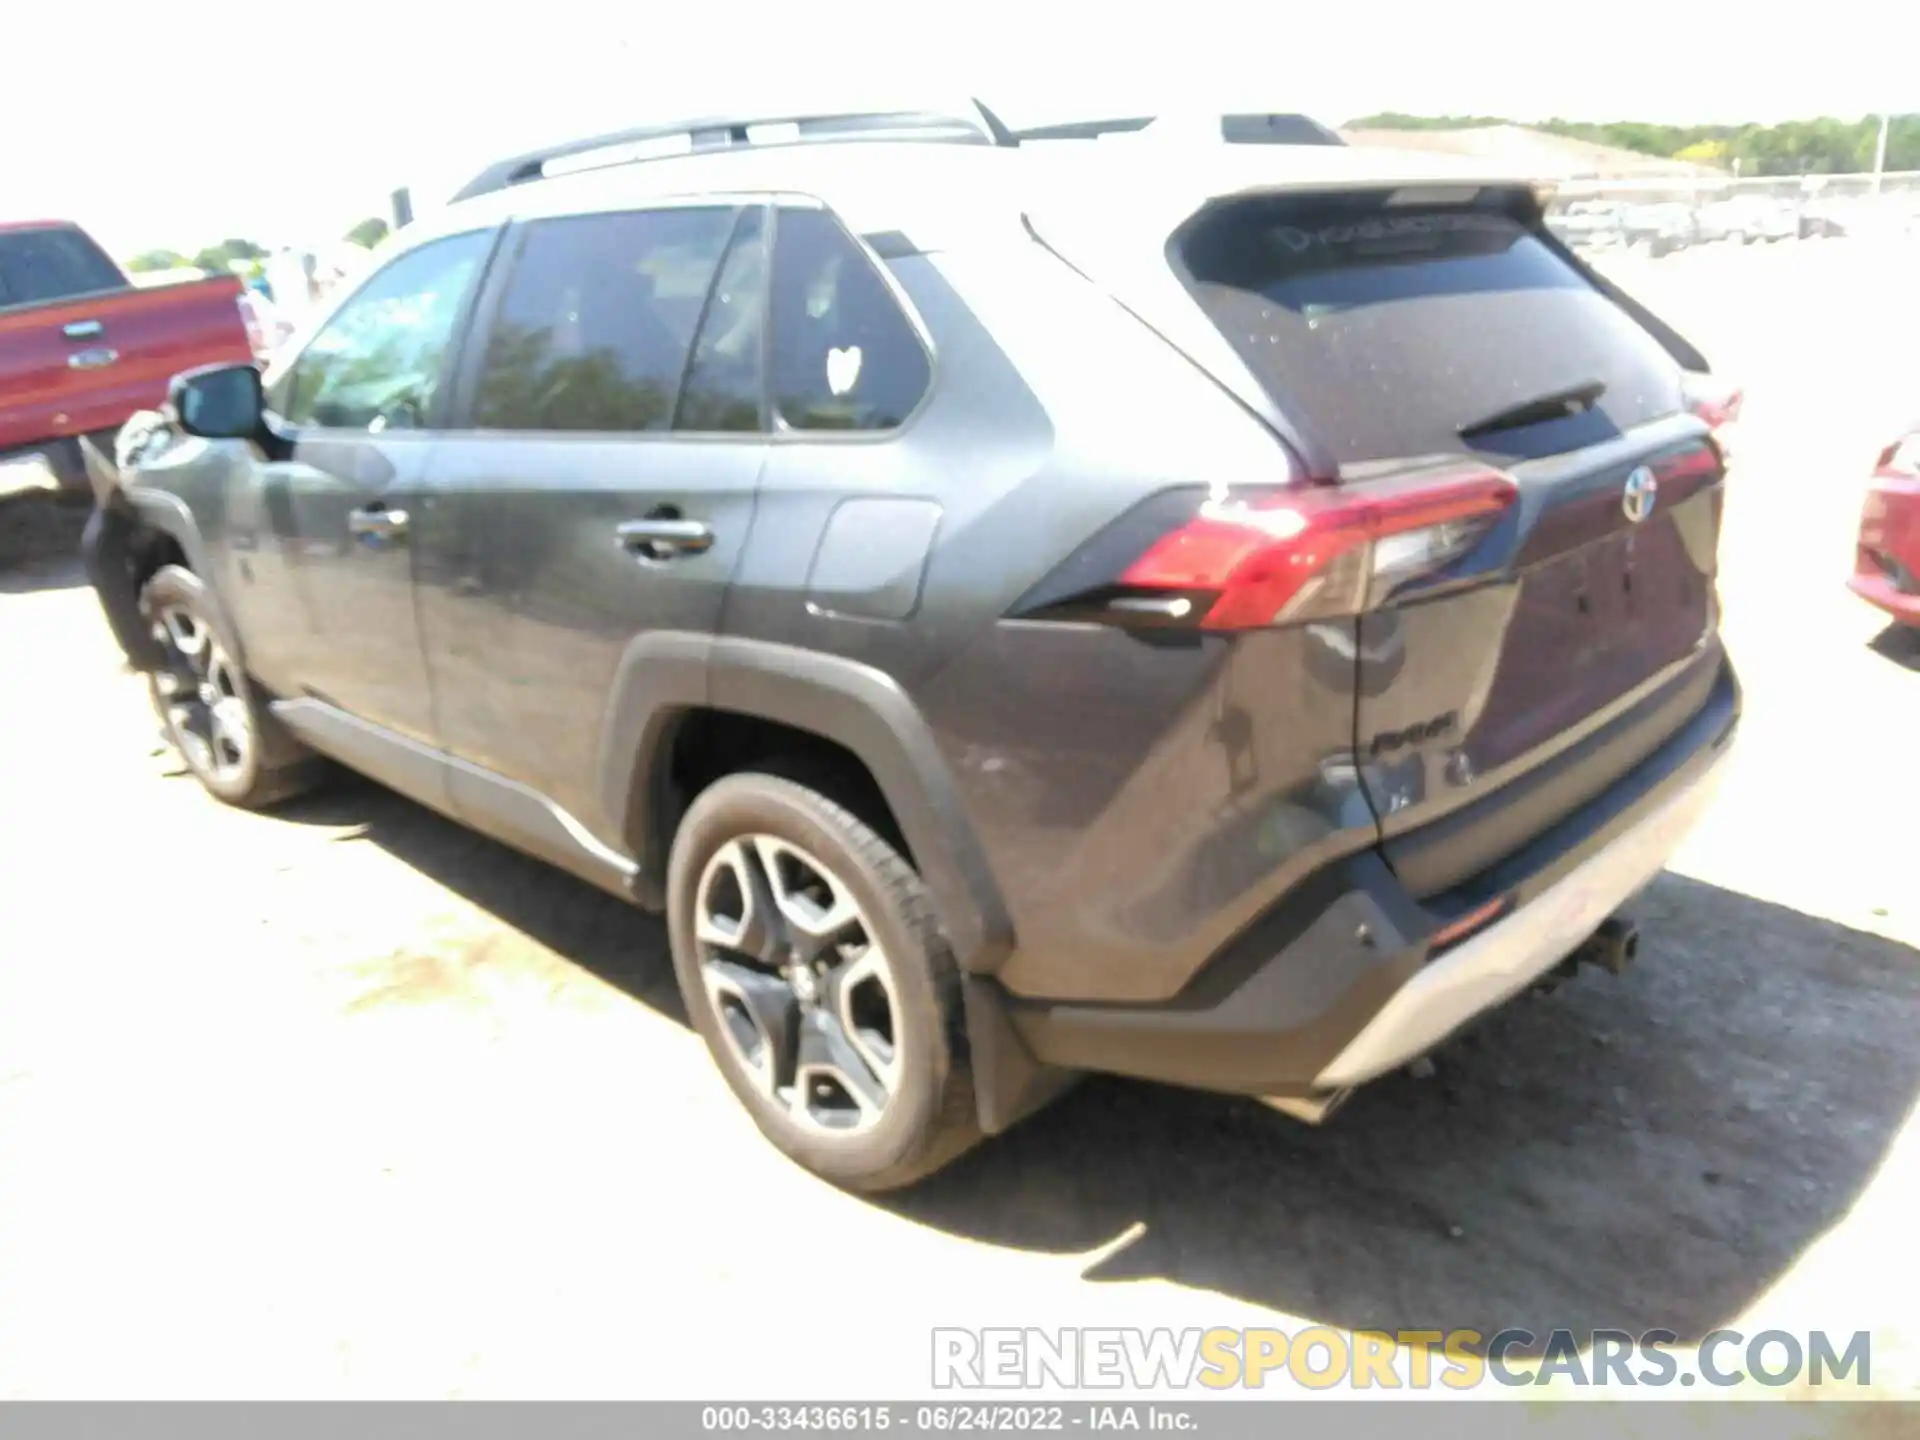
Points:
x=51, y=264
x=1385, y=332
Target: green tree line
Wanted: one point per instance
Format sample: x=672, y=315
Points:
x=1820, y=146
x=214, y=259
x=218, y=259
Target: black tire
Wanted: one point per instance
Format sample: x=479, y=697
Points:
x=271, y=766
x=929, y=1118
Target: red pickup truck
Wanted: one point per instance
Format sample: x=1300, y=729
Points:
x=81, y=349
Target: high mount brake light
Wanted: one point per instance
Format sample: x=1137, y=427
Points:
x=1240, y=560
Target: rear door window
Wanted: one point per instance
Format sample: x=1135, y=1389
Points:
x=845, y=356
x=1384, y=332
x=723, y=390
x=39, y=266
x=597, y=320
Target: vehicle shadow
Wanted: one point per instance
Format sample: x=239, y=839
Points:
x=608, y=938
x=40, y=544
x=1647, y=1151
x=1898, y=643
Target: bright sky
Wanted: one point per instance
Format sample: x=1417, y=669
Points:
x=287, y=122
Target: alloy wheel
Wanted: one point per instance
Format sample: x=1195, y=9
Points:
x=199, y=688
x=800, y=983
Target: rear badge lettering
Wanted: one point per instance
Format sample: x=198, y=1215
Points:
x=1388, y=741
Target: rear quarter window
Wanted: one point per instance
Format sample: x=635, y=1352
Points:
x=1384, y=332
x=844, y=355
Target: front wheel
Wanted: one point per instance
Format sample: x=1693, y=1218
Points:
x=812, y=963
x=208, y=706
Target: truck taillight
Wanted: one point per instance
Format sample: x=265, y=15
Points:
x=1234, y=560
x=1901, y=460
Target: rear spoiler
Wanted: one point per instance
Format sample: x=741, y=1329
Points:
x=1235, y=128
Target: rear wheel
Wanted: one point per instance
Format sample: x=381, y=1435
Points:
x=812, y=964
x=208, y=706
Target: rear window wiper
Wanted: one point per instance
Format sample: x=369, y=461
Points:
x=1555, y=405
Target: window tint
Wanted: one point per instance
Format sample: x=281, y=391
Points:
x=844, y=356
x=376, y=364
x=597, y=320
x=41, y=265
x=1386, y=332
x=723, y=387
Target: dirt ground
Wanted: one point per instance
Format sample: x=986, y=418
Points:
x=348, y=1102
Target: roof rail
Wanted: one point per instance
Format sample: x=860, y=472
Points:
x=975, y=125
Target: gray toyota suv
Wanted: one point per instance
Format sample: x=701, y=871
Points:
x=1227, y=614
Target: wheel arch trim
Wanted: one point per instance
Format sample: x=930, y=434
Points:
x=169, y=515
x=665, y=675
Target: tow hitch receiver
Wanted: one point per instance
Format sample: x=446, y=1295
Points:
x=1611, y=948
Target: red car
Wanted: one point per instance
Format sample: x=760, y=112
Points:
x=1886, y=562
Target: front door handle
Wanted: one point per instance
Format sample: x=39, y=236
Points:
x=82, y=329
x=662, y=537
x=378, y=524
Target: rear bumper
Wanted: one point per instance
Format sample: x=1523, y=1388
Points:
x=1881, y=592
x=1344, y=981
x=1492, y=966
x=1886, y=561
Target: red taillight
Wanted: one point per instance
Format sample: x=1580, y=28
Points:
x=1319, y=550
x=1714, y=401
x=1901, y=460
x=1721, y=411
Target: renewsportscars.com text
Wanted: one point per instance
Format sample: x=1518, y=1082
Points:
x=1321, y=1358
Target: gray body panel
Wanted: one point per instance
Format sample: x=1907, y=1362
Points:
x=1104, y=817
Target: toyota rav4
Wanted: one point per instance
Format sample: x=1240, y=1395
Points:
x=1222, y=614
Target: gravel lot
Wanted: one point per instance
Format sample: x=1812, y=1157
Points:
x=348, y=1102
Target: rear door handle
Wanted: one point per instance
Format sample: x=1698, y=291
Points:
x=378, y=524
x=664, y=537
x=82, y=329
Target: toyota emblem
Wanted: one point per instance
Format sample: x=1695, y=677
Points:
x=1637, y=499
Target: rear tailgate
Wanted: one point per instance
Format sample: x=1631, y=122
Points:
x=1392, y=328
x=83, y=363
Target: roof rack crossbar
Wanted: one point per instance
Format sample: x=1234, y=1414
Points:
x=735, y=132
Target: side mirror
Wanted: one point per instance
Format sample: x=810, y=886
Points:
x=218, y=402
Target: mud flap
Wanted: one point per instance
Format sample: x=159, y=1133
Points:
x=106, y=550
x=103, y=476
x=1008, y=1083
